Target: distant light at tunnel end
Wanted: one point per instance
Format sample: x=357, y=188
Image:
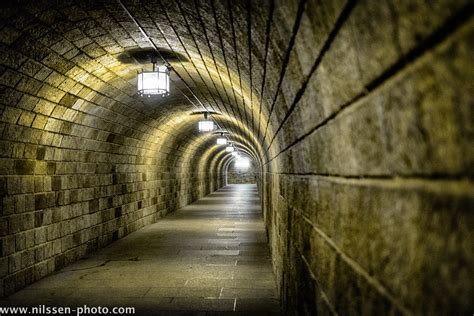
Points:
x=242, y=163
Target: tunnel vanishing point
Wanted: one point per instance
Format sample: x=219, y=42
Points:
x=357, y=117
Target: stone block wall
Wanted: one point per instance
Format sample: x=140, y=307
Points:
x=237, y=175
x=367, y=190
x=357, y=113
x=84, y=161
x=65, y=195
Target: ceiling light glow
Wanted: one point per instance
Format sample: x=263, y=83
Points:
x=206, y=126
x=156, y=82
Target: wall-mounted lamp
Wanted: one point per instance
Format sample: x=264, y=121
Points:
x=156, y=82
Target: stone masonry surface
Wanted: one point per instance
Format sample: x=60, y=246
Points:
x=357, y=115
x=210, y=256
x=237, y=175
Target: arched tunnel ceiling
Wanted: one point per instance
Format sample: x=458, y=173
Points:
x=358, y=113
x=84, y=51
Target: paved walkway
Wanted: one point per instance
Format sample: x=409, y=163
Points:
x=211, y=257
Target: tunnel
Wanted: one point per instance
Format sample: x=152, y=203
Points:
x=349, y=189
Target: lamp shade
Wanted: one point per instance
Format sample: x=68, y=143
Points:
x=221, y=141
x=206, y=126
x=154, y=82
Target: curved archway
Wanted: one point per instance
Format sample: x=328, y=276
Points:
x=356, y=115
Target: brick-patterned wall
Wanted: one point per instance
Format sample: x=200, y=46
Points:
x=64, y=195
x=83, y=160
x=368, y=187
x=238, y=175
x=359, y=113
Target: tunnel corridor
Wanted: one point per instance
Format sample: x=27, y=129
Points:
x=211, y=255
x=347, y=129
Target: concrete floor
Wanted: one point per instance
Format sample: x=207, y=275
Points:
x=210, y=257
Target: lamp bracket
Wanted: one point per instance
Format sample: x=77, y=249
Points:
x=221, y=132
x=204, y=112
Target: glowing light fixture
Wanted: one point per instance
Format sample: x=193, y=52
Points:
x=206, y=125
x=235, y=154
x=229, y=148
x=242, y=163
x=221, y=140
x=156, y=82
